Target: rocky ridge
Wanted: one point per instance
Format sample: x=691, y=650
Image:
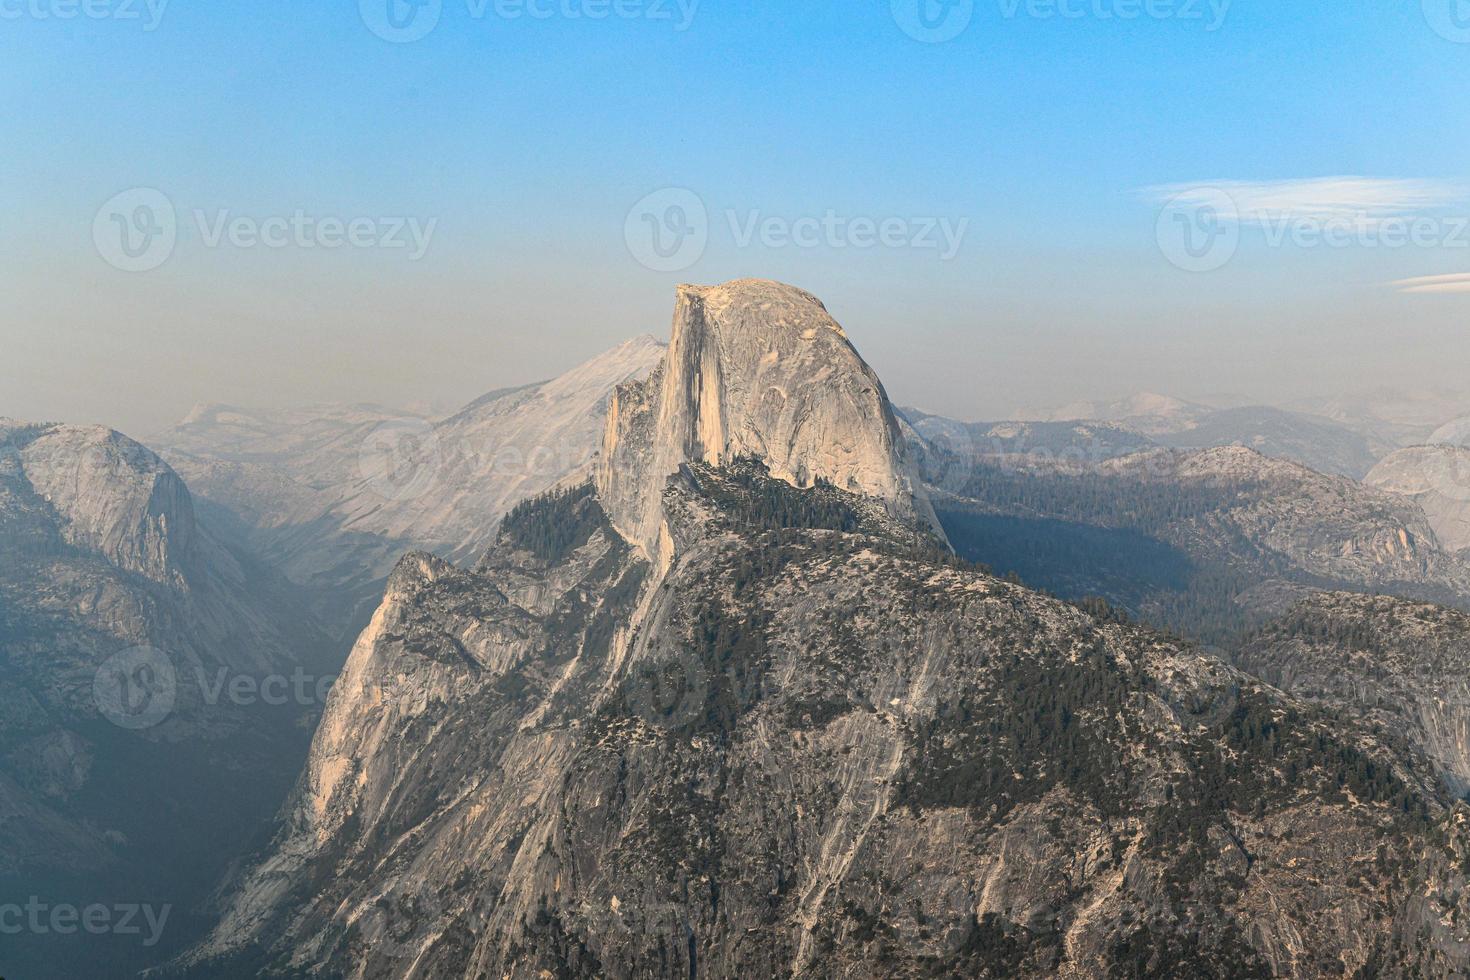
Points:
x=764, y=725
x=1209, y=542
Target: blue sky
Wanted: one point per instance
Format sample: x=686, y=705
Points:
x=526, y=141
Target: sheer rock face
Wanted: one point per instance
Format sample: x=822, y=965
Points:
x=1437, y=478
x=754, y=368
x=808, y=752
x=106, y=494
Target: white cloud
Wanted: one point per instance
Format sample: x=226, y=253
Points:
x=1458, y=282
x=1320, y=199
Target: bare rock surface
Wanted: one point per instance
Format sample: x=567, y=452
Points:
x=754, y=368
x=1437, y=478
x=732, y=710
x=1403, y=665
x=127, y=770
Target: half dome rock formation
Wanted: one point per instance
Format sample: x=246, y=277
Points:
x=805, y=741
x=754, y=368
x=1438, y=480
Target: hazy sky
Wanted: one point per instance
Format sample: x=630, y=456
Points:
x=1080, y=160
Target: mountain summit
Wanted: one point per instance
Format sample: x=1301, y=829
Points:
x=754, y=368
x=720, y=714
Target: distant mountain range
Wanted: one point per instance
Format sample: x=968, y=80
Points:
x=334, y=495
x=733, y=708
x=703, y=660
x=131, y=769
x=1207, y=542
x=1103, y=430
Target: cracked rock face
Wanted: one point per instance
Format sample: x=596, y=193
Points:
x=754, y=368
x=815, y=752
x=726, y=712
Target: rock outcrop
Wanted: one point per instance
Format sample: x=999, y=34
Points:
x=1437, y=478
x=754, y=369
x=127, y=768
x=810, y=751
x=726, y=712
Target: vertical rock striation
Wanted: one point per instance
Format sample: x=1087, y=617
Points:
x=753, y=368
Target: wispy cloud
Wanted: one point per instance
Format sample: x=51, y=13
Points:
x=1458, y=282
x=1321, y=199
